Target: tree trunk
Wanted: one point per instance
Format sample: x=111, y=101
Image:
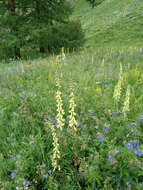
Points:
x=17, y=53
x=42, y=50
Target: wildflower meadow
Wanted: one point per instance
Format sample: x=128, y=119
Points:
x=71, y=105
x=73, y=126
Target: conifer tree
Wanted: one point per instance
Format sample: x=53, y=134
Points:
x=32, y=23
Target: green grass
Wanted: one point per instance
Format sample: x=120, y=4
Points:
x=112, y=24
x=27, y=100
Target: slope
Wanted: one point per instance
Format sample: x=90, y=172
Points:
x=113, y=23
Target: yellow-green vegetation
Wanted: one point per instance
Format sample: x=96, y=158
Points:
x=75, y=121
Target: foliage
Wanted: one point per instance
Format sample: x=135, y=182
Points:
x=95, y=2
x=68, y=35
x=100, y=145
x=34, y=24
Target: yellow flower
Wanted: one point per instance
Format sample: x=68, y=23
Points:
x=126, y=107
x=118, y=87
x=56, y=148
x=72, y=113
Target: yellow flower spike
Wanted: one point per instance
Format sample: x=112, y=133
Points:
x=60, y=110
x=118, y=87
x=126, y=107
x=56, y=148
x=72, y=113
x=59, y=104
x=63, y=53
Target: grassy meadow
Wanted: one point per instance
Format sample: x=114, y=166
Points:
x=75, y=121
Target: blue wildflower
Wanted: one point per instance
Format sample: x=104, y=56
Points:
x=129, y=186
x=110, y=158
x=141, y=118
x=55, y=122
x=101, y=138
x=132, y=144
x=33, y=143
x=13, y=174
x=135, y=143
x=133, y=124
x=46, y=176
x=108, y=85
x=102, y=118
x=49, y=172
x=141, y=183
x=106, y=127
x=129, y=145
x=115, y=113
x=26, y=183
x=109, y=79
x=138, y=151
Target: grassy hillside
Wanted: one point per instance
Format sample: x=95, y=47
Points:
x=113, y=23
x=99, y=101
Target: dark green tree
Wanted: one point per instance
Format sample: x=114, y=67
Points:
x=34, y=23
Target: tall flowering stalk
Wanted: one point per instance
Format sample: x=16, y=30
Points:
x=72, y=113
x=59, y=104
x=56, y=150
x=126, y=107
x=63, y=53
x=118, y=87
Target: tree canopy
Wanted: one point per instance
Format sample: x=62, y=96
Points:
x=32, y=23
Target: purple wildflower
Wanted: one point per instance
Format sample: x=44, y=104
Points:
x=133, y=124
x=55, y=122
x=141, y=183
x=49, y=172
x=33, y=143
x=135, y=143
x=102, y=118
x=106, y=127
x=115, y=113
x=101, y=138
